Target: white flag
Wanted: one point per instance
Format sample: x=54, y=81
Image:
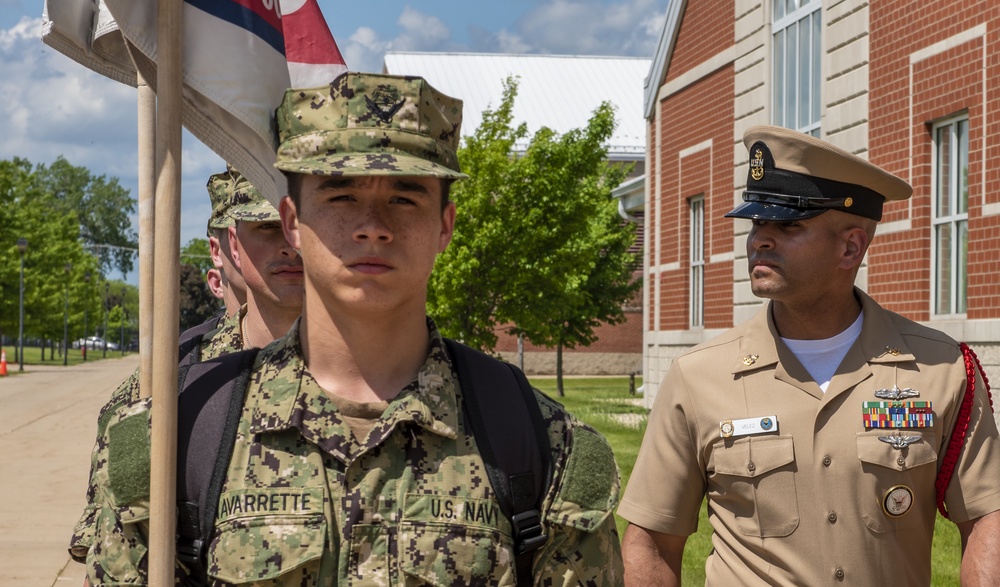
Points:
x=84, y=31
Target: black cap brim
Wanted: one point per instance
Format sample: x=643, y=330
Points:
x=772, y=212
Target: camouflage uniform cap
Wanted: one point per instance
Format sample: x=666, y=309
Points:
x=218, y=193
x=370, y=124
x=245, y=202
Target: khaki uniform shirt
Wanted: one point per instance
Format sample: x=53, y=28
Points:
x=226, y=338
x=820, y=499
x=305, y=503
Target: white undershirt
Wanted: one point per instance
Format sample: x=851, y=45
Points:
x=822, y=357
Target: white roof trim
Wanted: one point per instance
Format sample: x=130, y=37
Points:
x=664, y=51
x=556, y=91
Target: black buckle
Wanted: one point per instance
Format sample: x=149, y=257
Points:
x=189, y=552
x=528, y=535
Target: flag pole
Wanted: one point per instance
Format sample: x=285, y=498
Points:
x=163, y=490
x=147, y=187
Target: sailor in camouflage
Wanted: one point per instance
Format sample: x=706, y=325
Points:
x=274, y=301
x=354, y=463
x=270, y=267
x=234, y=289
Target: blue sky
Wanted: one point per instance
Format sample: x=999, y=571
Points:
x=51, y=106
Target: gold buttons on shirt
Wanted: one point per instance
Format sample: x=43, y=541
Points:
x=827, y=460
x=751, y=467
x=839, y=574
x=832, y=517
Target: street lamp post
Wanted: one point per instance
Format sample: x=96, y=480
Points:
x=86, y=302
x=22, y=246
x=105, y=333
x=66, y=317
x=122, y=347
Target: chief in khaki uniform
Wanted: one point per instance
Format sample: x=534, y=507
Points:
x=817, y=429
x=353, y=462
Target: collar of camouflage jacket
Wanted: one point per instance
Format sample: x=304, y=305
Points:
x=285, y=395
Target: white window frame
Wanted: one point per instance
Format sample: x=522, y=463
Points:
x=696, y=250
x=791, y=17
x=955, y=218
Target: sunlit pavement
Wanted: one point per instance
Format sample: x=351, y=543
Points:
x=47, y=428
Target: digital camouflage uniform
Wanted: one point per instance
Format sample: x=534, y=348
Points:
x=305, y=503
x=226, y=338
x=233, y=199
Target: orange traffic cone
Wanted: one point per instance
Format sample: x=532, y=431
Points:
x=3, y=363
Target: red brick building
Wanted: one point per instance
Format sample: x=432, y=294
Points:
x=913, y=87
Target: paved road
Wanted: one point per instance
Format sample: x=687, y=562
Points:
x=48, y=419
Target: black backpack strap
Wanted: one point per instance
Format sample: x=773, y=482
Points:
x=190, y=339
x=503, y=413
x=208, y=414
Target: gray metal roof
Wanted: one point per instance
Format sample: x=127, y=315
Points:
x=559, y=92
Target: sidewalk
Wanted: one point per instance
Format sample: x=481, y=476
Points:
x=46, y=435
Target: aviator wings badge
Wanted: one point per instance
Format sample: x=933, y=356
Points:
x=899, y=442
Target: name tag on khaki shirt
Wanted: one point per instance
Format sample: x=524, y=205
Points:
x=748, y=426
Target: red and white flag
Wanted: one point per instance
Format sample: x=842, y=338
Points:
x=234, y=76
x=313, y=56
x=235, y=66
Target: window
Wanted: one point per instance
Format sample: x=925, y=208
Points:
x=950, y=218
x=796, y=58
x=697, y=246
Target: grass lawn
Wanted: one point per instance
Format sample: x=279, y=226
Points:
x=33, y=356
x=605, y=404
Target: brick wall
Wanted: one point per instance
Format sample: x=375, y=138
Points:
x=617, y=338
x=707, y=28
x=696, y=160
x=926, y=65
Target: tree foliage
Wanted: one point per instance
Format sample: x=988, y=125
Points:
x=63, y=281
x=468, y=286
x=102, y=207
x=56, y=286
x=538, y=241
x=197, y=303
x=197, y=253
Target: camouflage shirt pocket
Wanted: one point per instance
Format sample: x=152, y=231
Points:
x=268, y=550
x=454, y=540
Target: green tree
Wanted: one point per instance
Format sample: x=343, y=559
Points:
x=197, y=253
x=538, y=242
x=469, y=286
x=52, y=234
x=103, y=209
x=582, y=268
x=197, y=303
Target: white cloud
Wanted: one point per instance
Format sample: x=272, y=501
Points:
x=592, y=27
x=508, y=42
x=418, y=32
x=363, y=50
x=569, y=27
x=421, y=32
x=54, y=107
